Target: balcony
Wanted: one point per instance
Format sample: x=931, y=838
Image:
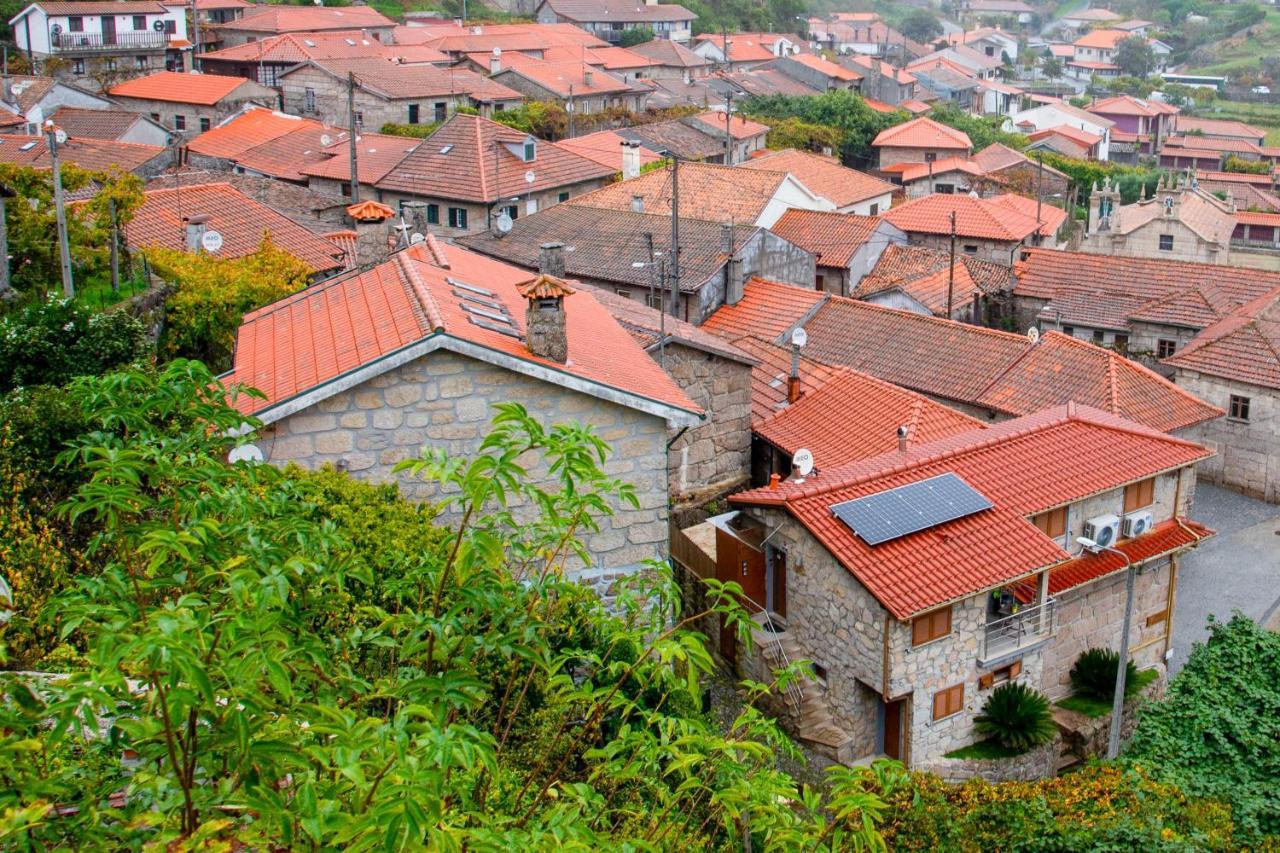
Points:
x=100, y=43
x=1006, y=635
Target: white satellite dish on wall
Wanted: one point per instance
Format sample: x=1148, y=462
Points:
x=325, y=140
x=60, y=135
x=503, y=223
x=530, y=177
x=211, y=241
x=415, y=238
x=1033, y=335
x=246, y=453
x=799, y=337
x=802, y=462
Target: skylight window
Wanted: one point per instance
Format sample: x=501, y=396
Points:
x=27, y=147
x=446, y=149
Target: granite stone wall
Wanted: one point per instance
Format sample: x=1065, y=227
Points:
x=445, y=400
x=710, y=460
x=1248, y=452
x=1038, y=763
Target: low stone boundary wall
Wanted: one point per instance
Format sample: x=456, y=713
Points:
x=1038, y=763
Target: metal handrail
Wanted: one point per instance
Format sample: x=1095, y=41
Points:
x=1010, y=632
x=792, y=691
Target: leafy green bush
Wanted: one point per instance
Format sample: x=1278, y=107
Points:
x=843, y=110
x=415, y=131
x=1094, y=674
x=1216, y=733
x=52, y=342
x=1016, y=717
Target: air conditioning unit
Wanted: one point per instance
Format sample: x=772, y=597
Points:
x=1138, y=523
x=1103, y=529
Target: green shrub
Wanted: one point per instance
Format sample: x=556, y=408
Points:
x=52, y=342
x=1016, y=717
x=1094, y=674
x=416, y=131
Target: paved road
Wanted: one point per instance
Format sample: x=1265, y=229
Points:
x=1239, y=569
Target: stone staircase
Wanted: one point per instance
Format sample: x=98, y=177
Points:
x=805, y=699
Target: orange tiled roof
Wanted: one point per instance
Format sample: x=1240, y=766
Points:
x=238, y=218
x=770, y=373
x=739, y=127
x=826, y=66
x=996, y=370
x=923, y=133
x=370, y=211
x=605, y=147
x=182, y=88
x=91, y=154
x=910, y=172
x=559, y=77
x=871, y=63
x=1243, y=346
x=246, y=130
x=376, y=155
x=303, y=341
x=820, y=419
x=835, y=237
x=1051, y=218
x=1218, y=127
x=1104, y=39
x=1023, y=466
x=711, y=192
x=824, y=175
x=898, y=266
x=767, y=310
x=467, y=158
x=1075, y=134
x=300, y=47
x=286, y=19
x=977, y=218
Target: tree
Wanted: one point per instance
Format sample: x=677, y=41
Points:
x=274, y=689
x=51, y=343
x=845, y=111
x=802, y=135
x=1216, y=733
x=1134, y=57
x=32, y=229
x=921, y=25
x=632, y=36
x=982, y=130
x=212, y=294
x=1052, y=67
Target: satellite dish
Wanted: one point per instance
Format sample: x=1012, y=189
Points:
x=503, y=224
x=326, y=140
x=802, y=462
x=415, y=237
x=211, y=241
x=1033, y=335
x=530, y=177
x=60, y=135
x=246, y=453
x=56, y=29
x=158, y=26
x=799, y=337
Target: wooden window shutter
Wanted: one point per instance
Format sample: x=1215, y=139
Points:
x=939, y=705
x=1157, y=618
x=986, y=681
x=1015, y=669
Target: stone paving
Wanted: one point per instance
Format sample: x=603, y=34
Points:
x=1239, y=569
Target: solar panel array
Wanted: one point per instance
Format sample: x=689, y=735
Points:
x=911, y=508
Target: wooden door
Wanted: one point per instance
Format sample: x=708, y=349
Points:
x=779, y=583
x=893, y=729
x=108, y=29
x=743, y=564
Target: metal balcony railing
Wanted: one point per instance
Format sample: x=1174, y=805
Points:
x=81, y=42
x=1010, y=633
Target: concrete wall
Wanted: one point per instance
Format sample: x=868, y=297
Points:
x=444, y=400
x=709, y=460
x=1248, y=452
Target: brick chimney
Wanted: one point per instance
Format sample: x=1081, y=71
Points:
x=196, y=227
x=551, y=259
x=544, y=317
x=495, y=61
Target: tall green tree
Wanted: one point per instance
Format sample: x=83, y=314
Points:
x=921, y=25
x=1134, y=57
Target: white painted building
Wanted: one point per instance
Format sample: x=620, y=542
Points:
x=117, y=36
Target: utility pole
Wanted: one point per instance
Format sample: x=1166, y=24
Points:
x=569, y=110
x=675, y=234
x=951, y=267
x=6, y=288
x=195, y=37
x=351, y=137
x=1122, y=669
x=115, y=246
x=728, y=130
x=1039, y=192
x=64, y=249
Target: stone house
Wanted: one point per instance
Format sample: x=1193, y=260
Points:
x=388, y=93
x=845, y=247
x=579, y=87
x=35, y=99
x=1148, y=308
x=672, y=61
x=882, y=81
x=993, y=229
x=1182, y=222
x=190, y=104
x=1235, y=363
x=920, y=140
x=628, y=253
x=276, y=19
x=472, y=171
x=436, y=336
x=609, y=19
x=816, y=72
x=848, y=189
x=1060, y=114
x=910, y=625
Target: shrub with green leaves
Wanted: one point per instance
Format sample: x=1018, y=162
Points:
x=1016, y=717
x=1094, y=674
x=52, y=342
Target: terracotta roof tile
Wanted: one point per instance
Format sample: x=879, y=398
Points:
x=1023, y=466
x=559, y=77
x=923, y=133
x=709, y=192
x=647, y=327
x=826, y=66
x=300, y=47
x=820, y=419
x=899, y=266
x=605, y=147
x=1218, y=127
x=713, y=121
x=398, y=81
x=984, y=219
x=82, y=123
x=823, y=175
x=91, y=154
x=770, y=373
x=1105, y=39
x=670, y=54
x=302, y=341
x=834, y=237
x=239, y=219
x=1243, y=346
x=767, y=310
x=467, y=158
x=871, y=64
x=183, y=88
x=245, y=130
x=285, y=19
x=376, y=155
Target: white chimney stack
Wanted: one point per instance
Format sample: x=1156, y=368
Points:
x=630, y=159
x=495, y=61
